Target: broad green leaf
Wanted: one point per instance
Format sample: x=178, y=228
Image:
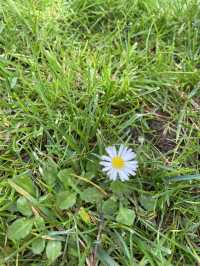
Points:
x=147, y=201
x=25, y=182
x=91, y=166
x=24, y=206
x=20, y=228
x=50, y=173
x=38, y=246
x=53, y=250
x=65, y=200
x=119, y=187
x=65, y=177
x=91, y=195
x=109, y=207
x=23, y=192
x=125, y=216
x=39, y=223
x=91, y=169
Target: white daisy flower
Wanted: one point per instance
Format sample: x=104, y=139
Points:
x=119, y=164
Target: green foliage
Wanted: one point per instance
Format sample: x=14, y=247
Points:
x=120, y=188
x=53, y=250
x=65, y=199
x=109, y=207
x=24, y=206
x=39, y=223
x=75, y=77
x=91, y=195
x=125, y=216
x=50, y=173
x=106, y=259
x=65, y=177
x=148, y=202
x=20, y=228
x=38, y=246
x=25, y=182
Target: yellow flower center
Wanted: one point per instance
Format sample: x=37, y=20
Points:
x=118, y=162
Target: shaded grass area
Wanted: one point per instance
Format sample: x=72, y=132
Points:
x=76, y=76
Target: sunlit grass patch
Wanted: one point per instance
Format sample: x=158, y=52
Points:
x=77, y=77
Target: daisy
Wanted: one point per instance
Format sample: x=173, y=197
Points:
x=119, y=164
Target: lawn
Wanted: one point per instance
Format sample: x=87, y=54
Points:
x=76, y=77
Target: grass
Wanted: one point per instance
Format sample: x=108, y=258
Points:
x=75, y=77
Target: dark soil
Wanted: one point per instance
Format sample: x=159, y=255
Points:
x=163, y=139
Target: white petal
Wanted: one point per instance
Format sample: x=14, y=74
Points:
x=121, y=149
x=129, y=171
x=124, y=151
x=123, y=176
x=113, y=175
x=105, y=158
x=129, y=155
x=104, y=163
x=132, y=164
x=111, y=151
x=132, y=173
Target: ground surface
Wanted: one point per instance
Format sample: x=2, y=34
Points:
x=76, y=76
